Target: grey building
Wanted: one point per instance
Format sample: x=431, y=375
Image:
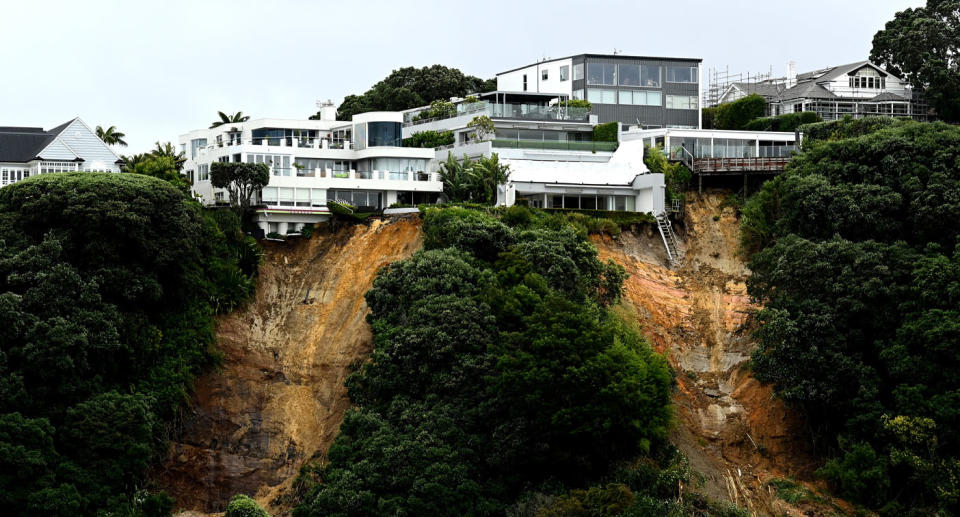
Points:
x=650, y=92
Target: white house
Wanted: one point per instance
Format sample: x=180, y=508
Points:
x=554, y=161
x=856, y=89
x=72, y=146
x=361, y=162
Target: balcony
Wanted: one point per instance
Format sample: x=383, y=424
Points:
x=556, y=145
x=418, y=176
x=515, y=111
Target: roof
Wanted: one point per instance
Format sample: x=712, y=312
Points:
x=889, y=96
x=764, y=89
x=23, y=144
x=571, y=173
x=807, y=90
x=605, y=56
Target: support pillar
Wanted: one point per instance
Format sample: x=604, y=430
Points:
x=700, y=183
x=744, y=185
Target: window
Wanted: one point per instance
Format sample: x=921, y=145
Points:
x=268, y=195
x=49, y=167
x=639, y=75
x=285, y=196
x=196, y=144
x=577, y=94
x=544, y=75
x=681, y=102
x=602, y=73
x=640, y=98
x=602, y=96
x=578, y=71
x=318, y=197
x=564, y=72
x=524, y=82
x=358, y=198
x=203, y=171
x=682, y=74
x=280, y=163
x=383, y=134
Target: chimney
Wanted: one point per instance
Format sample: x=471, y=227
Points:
x=791, y=73
x=328, y=110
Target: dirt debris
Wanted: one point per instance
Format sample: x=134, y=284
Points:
x=279, y=396
x=698, y=314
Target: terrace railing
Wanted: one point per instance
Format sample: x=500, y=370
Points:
x=559, y=145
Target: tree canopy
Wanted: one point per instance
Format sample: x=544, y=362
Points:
x=411, y=87
x=108, y=288
x=111, y=136
x=921, y=45
x=857, y=263
x=496, y=367
x=240, y=179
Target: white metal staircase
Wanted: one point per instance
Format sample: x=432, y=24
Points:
x=669, y=238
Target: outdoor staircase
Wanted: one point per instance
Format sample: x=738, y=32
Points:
x=669, y=238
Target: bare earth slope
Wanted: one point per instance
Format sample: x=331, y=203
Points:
x=279, y=397
x=698, y=316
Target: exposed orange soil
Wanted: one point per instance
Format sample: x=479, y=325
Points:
x=698, y=315
x=279, y=397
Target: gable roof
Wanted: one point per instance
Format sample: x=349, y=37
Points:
x=807, y=90
x=22, y=146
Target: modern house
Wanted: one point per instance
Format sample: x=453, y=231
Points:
x=361, y=162
x=650, y=92
x=69, y=147
x=553, y=157
x=857, y=89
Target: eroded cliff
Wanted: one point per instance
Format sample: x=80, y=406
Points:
x=279, y=396
x=699, y=315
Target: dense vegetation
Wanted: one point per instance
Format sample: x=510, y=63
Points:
x=746, y=113
x=785, y=122
x=411, y=87
x=473, y=181
x=108, y=286
x=921, y=45
x=429, y=139
x=858, y=266
x=498, y=378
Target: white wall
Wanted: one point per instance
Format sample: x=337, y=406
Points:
x=513, y=81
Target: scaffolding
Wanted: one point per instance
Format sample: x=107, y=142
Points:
x=721, y=79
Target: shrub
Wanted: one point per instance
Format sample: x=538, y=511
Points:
x=429, y=139
x=607, y=132
x=243, y=506
x=736, y=114
x=785, y=122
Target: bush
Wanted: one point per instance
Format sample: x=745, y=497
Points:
x=496, y=367
x=113, y=281
x=429, y=139
x=243, y=506
x=736, y=114
x=608, y=132
x=786, y=122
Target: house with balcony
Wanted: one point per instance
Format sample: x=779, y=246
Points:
x=69, y=147
x=550, y=148
x=361, y=162
x=644, y=91
x=858, y=90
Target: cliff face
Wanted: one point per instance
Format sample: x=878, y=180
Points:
x=279, y=397
x=699, y=316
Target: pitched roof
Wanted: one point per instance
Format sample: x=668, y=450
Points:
x=22, y=146
x=764, y=89
x=889, y=96
x=807, y=90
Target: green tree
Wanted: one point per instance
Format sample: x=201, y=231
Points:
x=921, y=45
x=111, y=136
x=241, y=180
x=736, y=114
x=229, y=119
x=162, y=167
x=167, y=149
x=482, y=126
x=243, y=506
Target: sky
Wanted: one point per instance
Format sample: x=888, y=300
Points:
x=159, y=69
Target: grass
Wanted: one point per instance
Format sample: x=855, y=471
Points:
x=793, y=492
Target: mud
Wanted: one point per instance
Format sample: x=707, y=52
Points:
x=279, y=396
x=698, y=314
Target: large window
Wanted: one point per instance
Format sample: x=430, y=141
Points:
x=682, y=74
x=602, y=96
x=593, y=202
x=640, y=97
x=358, y=198
x=681, y=102
x=196, y=143
x=639, y=75
x=280, y=163
x=602, y=73
x=564, y=72
x=578, y=71
x=203, y=171
x=383, y=134
x=288, y=196
x=577, y=94
x=48, y=167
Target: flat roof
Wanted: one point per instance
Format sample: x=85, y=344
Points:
x=606, y=56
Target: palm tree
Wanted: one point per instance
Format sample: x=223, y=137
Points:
x=229, y=119
x=167, y=149
x=111, y=136
x=491, y=174
x=130, y=162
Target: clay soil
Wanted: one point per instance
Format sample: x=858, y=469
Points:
x=698, y=314
x=279, y=396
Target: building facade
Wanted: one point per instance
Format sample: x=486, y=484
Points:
x=361, y=162
x=69, y=147
x=553, y=158
x=858, y=90
x=649, y=92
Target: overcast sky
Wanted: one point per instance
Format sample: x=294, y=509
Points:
x=158, y=69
